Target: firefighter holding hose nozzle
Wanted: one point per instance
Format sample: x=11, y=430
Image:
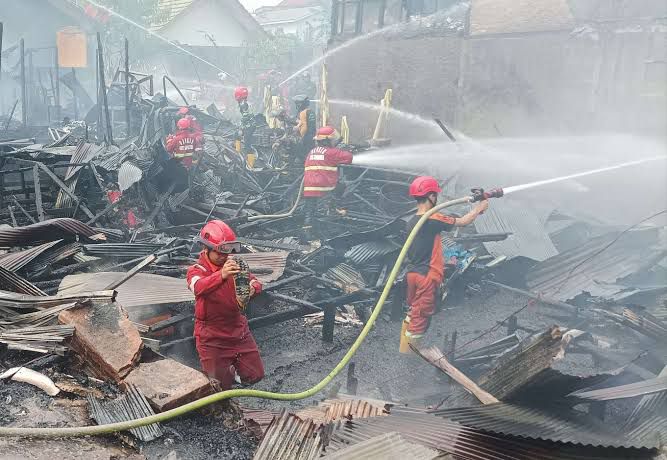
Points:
x=321, y=173
x=426, y=263
x=227, y=350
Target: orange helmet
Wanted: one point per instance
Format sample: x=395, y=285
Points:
x=240, y=93
x=424, y=185
x=219, y=236
x=184, y=123
x=326, y=132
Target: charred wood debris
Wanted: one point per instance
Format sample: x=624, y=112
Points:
x=95, y=239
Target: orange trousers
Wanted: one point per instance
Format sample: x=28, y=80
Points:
x=421, y=300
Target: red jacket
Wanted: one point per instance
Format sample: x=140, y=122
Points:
x=217, y=313
x=321, y=170
x=186, y=146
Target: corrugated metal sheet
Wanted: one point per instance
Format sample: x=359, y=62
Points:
x=289, y=437
x=526, y=224
x=141, y=290
x=552, y=425
x=53, y=256
x=14, y=261
x=10, y=281
x=349, y=278
x=128, y=174
x=645, y=387
x=83, y=154
x=468, y=443
x=365, y=252
x=274, y=261
x=49, y=230
x=133, y=404
x=652, y=429
x=337, y=409
x=388, y=446
x=601, y=259
x=122, y=249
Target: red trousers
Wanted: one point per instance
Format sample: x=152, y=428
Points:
x=421, y=300
x=221, y=361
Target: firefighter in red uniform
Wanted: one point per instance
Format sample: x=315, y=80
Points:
x=184, y=112
x=426, y=263
x=321, y=172
x=225, y=345
x=186, y=145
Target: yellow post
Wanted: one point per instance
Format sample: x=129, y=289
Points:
x=385, y=103
x=324, y=99
x=344, y=130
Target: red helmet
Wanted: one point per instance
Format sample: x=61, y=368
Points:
x=424, y=185
x=184, y=123
x=240, y=93
x=326, y=132
x=219, y=236
x=183, y=111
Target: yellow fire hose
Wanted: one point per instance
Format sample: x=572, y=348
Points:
x=243, y=393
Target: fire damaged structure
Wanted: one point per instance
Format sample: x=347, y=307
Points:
x=549, y=341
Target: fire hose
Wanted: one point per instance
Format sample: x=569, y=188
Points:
x=478, y=194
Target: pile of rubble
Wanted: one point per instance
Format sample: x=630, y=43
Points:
x=95, y=241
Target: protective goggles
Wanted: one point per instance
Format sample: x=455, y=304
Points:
x=228, y=248
x=223, y=248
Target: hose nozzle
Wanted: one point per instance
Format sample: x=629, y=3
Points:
x=478, y=194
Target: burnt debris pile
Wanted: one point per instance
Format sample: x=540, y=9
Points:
x=97, y=232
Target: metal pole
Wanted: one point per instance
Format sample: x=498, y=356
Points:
x=24, y=103
x=127, y=87
x=57, y=95
x=75, y=101
x=103, y=89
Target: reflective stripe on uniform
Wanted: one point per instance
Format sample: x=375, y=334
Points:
x=321, y=168
x=193, y=281
x=182, y=155
x=318, y=189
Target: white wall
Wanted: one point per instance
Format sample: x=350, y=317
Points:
x=206, y=16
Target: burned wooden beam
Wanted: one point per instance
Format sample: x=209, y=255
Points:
x=38, y=193
x=436, y=358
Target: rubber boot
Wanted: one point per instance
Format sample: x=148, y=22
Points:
x=404, y=346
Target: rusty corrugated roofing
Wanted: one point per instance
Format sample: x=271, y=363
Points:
x=14, y=261
x=337, y=409
x=49, y=230
x=289, y=437
x=388, y=446
x=10, y=281
x=140, y=290
x=275, y=261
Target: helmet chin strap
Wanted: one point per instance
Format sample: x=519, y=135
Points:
x=433, y=202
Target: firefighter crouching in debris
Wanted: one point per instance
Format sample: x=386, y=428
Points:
x=426, y=264
x=321, y=173
x=227, y=350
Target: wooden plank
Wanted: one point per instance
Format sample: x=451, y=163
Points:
x=435, y=357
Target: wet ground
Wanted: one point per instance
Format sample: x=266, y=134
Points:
x=296, y=358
